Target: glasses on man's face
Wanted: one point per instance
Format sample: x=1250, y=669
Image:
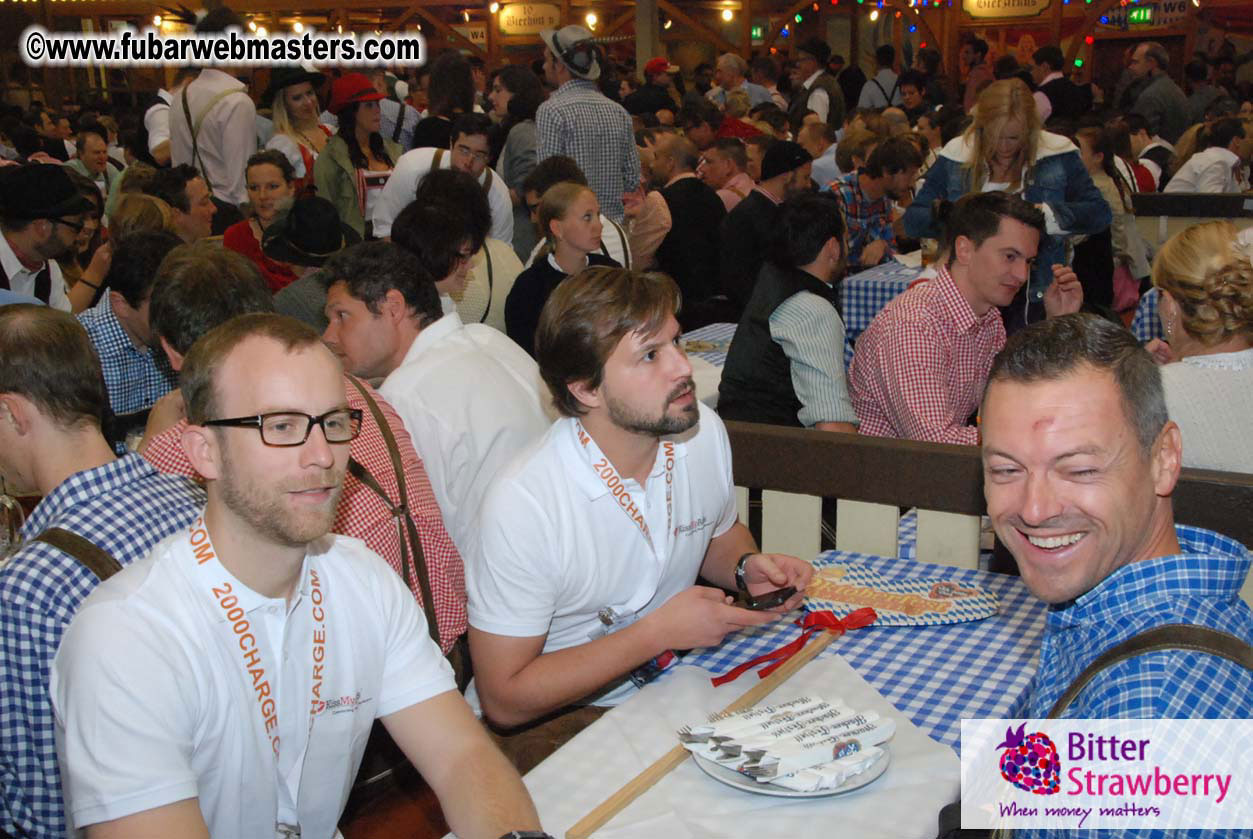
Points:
x=292, y=428
x=480, y=156
x=76, y=226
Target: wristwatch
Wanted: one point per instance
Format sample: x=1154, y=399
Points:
x=526, y=834
x=740, y=582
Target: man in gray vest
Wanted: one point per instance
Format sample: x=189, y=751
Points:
x=816, y=89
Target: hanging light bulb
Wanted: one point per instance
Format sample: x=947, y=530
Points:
x=262, y=32
x=729, y=15
x=297, y=27
x=466, y=15
x=591, y=20
x=252, y=26
x=874, y=15
x=667, y=24
x=494, y=8
x=156, y=20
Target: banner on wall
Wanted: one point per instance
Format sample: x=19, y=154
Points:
x=1004, y=8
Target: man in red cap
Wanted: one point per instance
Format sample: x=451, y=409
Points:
x=654, y=94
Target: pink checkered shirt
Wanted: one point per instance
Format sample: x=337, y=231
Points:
x=364, y=515
x=919, y=369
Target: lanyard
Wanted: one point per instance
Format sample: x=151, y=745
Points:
x=222, y=590
x=617, y=487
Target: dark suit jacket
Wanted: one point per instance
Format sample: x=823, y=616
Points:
x=689, y=253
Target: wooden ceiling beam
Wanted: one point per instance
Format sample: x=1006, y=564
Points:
x=678, y=14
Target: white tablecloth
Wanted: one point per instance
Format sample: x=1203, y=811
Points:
x=687, y=804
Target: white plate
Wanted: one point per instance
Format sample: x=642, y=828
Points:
x=734, y=779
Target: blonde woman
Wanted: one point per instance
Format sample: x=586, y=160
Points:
x=1006, y=149
x=1204, y=280
x=569, y=220
x=298, y=134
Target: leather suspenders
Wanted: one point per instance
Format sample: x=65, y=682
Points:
x=1172, y=637
x=402, y=512
x=89, y=555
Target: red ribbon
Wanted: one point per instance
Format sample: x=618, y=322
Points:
x=812, y=623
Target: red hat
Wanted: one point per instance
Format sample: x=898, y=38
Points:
x=350, y=89
x=658, y=66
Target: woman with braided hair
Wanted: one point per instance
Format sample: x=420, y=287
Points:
x=1205, y=281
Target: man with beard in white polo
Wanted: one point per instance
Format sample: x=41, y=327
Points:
x=590, y=543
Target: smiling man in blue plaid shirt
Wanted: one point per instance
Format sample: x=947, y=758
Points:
x=580, y=122
x=1080, y=460
x=52, y=399
x=135, y=376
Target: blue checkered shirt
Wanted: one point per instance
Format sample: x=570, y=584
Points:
x=866, y=219
x=579, y=121
x=125, y=508
x=1199, y=586
x=135, y=378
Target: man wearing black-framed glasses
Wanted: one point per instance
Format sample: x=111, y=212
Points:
x=256, y=625
x=41, y=212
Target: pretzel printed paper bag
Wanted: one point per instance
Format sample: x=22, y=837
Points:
x=844, y=587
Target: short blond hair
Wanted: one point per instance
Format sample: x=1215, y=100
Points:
x=137, y=212
x=1211, y=279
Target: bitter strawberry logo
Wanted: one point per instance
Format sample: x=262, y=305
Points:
x=1030, y=761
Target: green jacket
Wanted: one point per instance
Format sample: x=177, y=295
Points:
x=336, y=179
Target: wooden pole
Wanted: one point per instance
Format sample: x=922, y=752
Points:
x=642, y=782
x=746, y=28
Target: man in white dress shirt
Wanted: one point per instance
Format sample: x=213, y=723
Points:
x=226, y=685
x=1221, y=166
x=469, y=153
x=41, y=212
x=469, y=396
x=213, y=121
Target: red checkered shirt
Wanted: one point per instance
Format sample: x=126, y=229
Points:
x=364, y=515
x=919, y=369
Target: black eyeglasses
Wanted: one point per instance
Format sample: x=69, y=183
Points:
x=76, y=226
x=292, y=428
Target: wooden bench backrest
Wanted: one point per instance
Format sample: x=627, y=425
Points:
x=1161, y=215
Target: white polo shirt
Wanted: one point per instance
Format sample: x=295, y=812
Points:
x=557, y=545
x=403, y=185
x=163, y=681
x=472, y=400
x=22, y=279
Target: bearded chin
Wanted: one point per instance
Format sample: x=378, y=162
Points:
x=264, y=510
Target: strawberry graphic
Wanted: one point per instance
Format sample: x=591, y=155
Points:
x=1030, y=762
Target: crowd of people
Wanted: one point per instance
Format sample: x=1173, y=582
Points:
x=248, y=347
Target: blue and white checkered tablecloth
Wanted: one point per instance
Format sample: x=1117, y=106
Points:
x=936, y=675
x=717, y=334
x=1146, y=325
x=862, y=295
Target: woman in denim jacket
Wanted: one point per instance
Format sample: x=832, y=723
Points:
x=1006, y=149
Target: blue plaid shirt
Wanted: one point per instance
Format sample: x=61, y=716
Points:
x=1199, y=586
x=866, y=219
x=125, y=507
x=579, y=121
x=135, y=378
